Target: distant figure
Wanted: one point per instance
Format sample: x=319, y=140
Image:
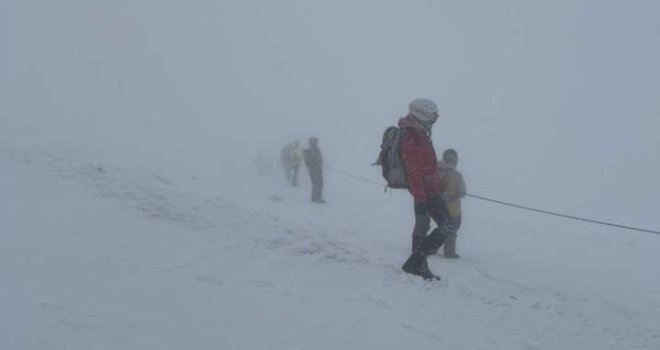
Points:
x=314, y=163
x=452, y=187
x=291, y=157
x=263, y=164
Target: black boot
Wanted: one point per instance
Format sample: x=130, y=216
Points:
x=417, y=265
x=434, y=241
x=418, y=243
x=430, y=242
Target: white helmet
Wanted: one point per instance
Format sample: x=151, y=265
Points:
x=424, y=110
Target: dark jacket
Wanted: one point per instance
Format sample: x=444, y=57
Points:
x=313, y=158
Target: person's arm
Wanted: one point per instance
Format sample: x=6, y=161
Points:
x=411, y=163
x=461, y=187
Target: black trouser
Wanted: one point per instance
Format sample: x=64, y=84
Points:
x=435, y=209
x=316, y=175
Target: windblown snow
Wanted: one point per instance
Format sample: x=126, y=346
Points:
x=98, y=255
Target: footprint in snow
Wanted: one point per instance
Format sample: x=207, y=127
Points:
x=265, y=284
x=211, y=281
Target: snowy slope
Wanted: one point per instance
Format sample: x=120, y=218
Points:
x=95, y=255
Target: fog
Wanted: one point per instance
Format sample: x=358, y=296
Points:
x=551, y=104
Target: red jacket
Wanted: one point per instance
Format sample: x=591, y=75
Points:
x=419, y=160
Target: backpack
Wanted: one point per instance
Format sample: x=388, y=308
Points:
x=390, y=159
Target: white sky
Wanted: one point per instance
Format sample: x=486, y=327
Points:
x=553, y=104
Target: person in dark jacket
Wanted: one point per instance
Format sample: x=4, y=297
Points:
x=314, y=162
x=420, y=163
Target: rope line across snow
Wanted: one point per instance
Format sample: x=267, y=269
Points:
x=546, y=212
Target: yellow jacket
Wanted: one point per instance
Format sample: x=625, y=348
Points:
x=452, y=187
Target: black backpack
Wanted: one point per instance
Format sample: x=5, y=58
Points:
x=390, y=159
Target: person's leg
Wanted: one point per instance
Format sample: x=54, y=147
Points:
x=421, y=228
x=440, y=215
x=294, y=179
x=287, y=172
x=319, y=186
x=416, y=264
x=314, y=177
x=450, y=245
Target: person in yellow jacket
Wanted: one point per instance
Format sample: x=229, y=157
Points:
x=291, y=156
x=452, y=188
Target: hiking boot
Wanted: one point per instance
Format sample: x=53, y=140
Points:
x=434, y=241
x=418, y=266
x=449, y=249
x=430, y=249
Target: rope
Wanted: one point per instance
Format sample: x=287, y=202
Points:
x=547, y=212
x=357, y=177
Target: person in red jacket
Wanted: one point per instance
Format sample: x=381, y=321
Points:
x=421, y=165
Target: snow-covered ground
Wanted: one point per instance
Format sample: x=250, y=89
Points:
x=100, y=255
